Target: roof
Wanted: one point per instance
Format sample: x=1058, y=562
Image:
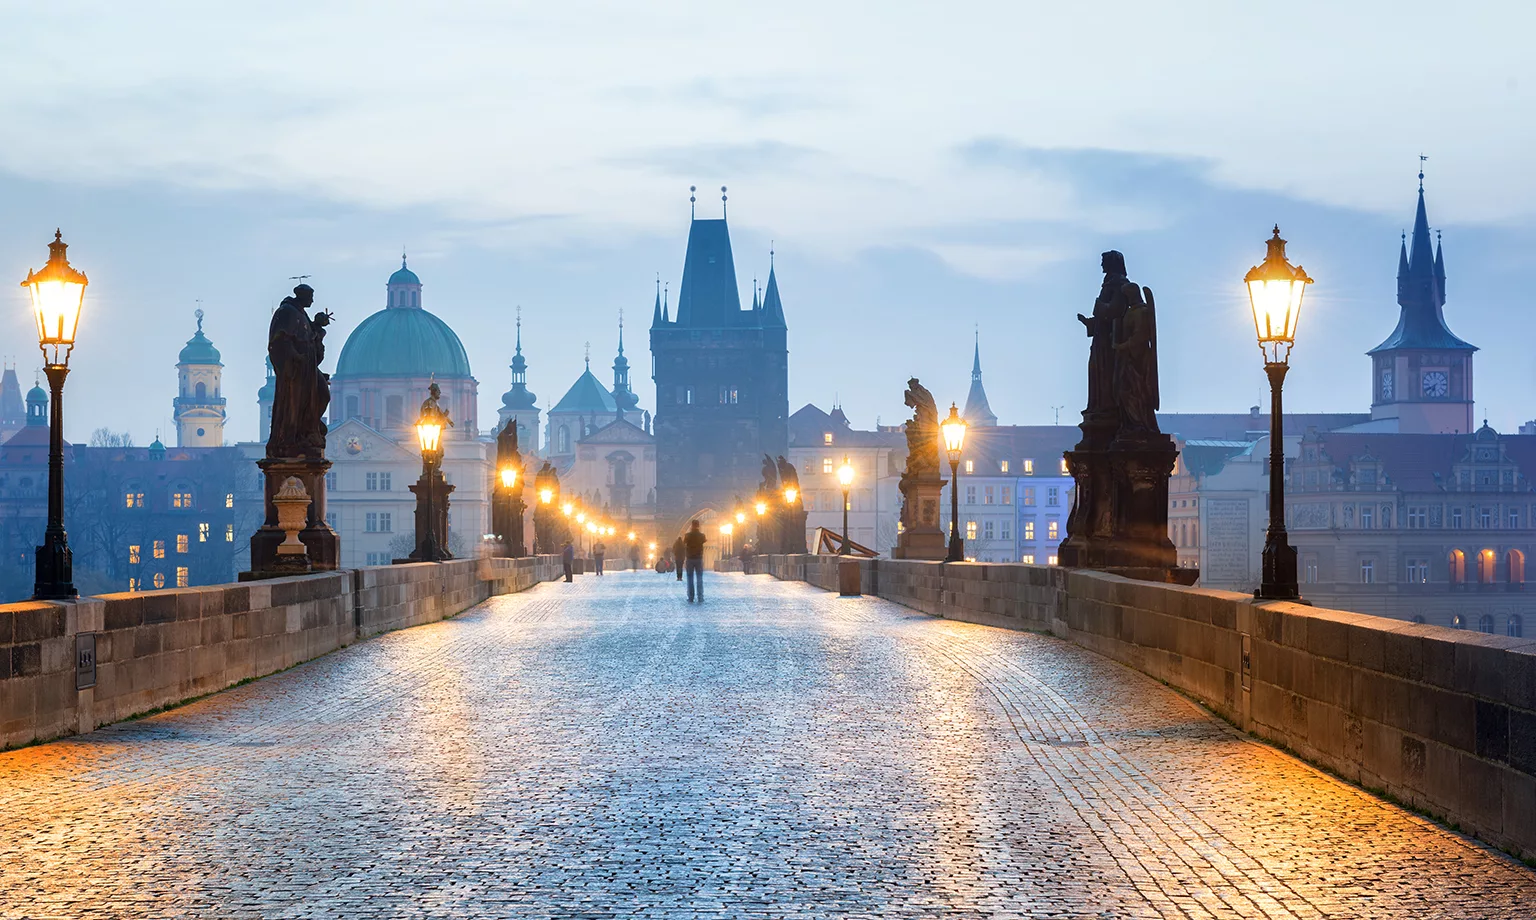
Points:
x=404, y=275
x=620, y=431
x=403, y=343
x=708, y=296
x=586, y=395
x=808, y=427
x=1422, y=462
x=1250, y=425
x=199, y=350
x=1421, y=294
x=977, y=412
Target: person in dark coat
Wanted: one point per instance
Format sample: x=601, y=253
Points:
x=693, y=544
x=598, y=552
x=677, y=557
x=568, y=559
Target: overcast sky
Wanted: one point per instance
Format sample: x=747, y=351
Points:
x=919, y=167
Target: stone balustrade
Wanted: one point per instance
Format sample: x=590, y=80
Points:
x=1440, y=719
x=158, y=648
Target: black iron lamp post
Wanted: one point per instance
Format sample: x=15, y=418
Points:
x=57, y=292
x=845, y=478
x=429, y=431
x=954, y=441
x=512, y=513
x=1275, y=290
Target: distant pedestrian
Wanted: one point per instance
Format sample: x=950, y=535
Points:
x=634, y=557
x=568, y=560
x=677, y=556
x=693, y=544
x=598, y=551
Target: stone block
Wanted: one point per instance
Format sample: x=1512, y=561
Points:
x=1455, y=721
x=26, y=659
x=1481, y=798
x=1492, y=729
x=1367, y=645
x=1328, y=637
x=1480, y=666
x=124, y=612
x=1519, y=818
x=1522, y=740
x=1440, y=658
x=1403, y=653
x=35, y=623
x=1331, y=682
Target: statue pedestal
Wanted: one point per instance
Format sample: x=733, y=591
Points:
x=434, y=523
x=1119, y=516
x=921, y=536
x=320, y=542
x=792, y=529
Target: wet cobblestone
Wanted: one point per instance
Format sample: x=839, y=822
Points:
x=605, y=749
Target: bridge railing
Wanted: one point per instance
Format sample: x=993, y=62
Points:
x=1442, y=720
x=71, y=666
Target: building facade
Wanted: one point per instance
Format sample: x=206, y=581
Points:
x=819, y=443
x=722, y=381
x=198, y=409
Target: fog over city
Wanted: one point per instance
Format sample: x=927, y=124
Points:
x=919, y=173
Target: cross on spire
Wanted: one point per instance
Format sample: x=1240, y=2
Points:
x=589, y=355
x=1422, y=158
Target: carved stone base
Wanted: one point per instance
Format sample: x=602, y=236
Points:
x=921, y=536
x=792, y=529
x=321, y=544
x=1119, y=516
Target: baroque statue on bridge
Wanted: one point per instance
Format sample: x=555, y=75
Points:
x=919, y=536
x=296, y=346
x=770, y=483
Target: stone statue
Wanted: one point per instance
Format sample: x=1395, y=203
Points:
x=1102, y=326
x=432, y=407
x=506, y=441
x=296, y=346
x=788, y=478
x=922, y=432
x=1136, y=390
x=770, y=482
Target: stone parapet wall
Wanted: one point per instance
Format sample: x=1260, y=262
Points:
x=158, y=648
x=1441, y=719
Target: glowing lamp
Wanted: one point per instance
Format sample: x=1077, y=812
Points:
x=429, y=431
x=631, y=536
x=546, y=495
x=566, y=509
x=954, y=428
x=790, y=494
x=762, y=508
x=741, y=517
x=509, y=477
x=845, y=473
x=581, y=517
x=1275, y=290
x=57, y=292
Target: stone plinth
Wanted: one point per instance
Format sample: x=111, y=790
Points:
x=1119, y=517
x=792, y=529
x=921, y=536
x=320, y=542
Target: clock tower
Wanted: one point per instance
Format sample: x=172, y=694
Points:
x=1422, y=374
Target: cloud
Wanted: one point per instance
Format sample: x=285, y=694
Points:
x=758, y=97
x=755, y=158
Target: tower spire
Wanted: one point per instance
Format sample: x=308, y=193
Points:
x=656, y=319
x=722, y=202
x=692, y=202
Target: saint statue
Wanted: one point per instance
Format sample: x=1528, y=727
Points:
x=788, y=478
x=431, y=407
x=922, y=433
x=1136, y=390
x=1108, y=309
x=296, y=346
x=770, y=483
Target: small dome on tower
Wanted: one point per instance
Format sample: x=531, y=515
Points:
x=199, y=350
x=404, y=275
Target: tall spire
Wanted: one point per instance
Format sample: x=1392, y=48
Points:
x=519, y=397
x=977, y=412
x=772, y=315
x=666, y=290
x=624, y=398
x=1421, y=289
x=656, y=319
x=976, y=357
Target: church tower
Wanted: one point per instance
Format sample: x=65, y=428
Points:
x=624, y=399
x=977, y=413
x=1422, y=373
x=722, y=381
x=520, y=402
x=199, y=407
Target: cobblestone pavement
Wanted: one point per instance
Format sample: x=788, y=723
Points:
x=605, y=749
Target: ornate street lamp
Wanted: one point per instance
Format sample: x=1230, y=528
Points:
x=429, y=432
x=512, y=513
x=1275, y=291
x=845, y=476
x=954, y=441
x=58, y=292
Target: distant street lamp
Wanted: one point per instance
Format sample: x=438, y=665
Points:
x=954, y=441
x=1275, y=291
x=511, y=514
x=845, y=476
x=58, y=292
x=725, y=531
x=429, y=432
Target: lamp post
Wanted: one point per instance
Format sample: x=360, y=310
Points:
x=512, y=514
x=954, y=441
x=57, y=292
x=429, y=431
x=1275, y=290
x=845, y=477
x=761, y=507
x=725, y=531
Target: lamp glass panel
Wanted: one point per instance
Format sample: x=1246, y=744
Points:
x=56, y=304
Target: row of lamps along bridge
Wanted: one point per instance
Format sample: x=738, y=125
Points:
x=57, y=290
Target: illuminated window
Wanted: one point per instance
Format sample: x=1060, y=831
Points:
x=1029, y=530
x=182, y=541
x=181, y=576
x=1050, y=560
x=134, y=499
x=1028, y=559
x=1007, y=495
x=1457, y=563
x=229, y=499
x=159, y=580
x=1051, y=531
x=970, y=466
x=988, y=495
x=970, y=530
x=133, y=554
x=181, y=499
x=202, y=532
x=1004, y=465
x=159, y=549
x=229, y=533
x=1029, y=495
x=826, y=465
x=826, y=438
x=1063, y=472
x=1029, y=467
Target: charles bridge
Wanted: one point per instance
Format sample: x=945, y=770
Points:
x=1118, y=748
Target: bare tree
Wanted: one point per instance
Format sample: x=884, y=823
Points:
x=105, y=437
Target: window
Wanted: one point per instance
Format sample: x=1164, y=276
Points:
x=1029, y=530
x=727, y=396
x=1053, y=496
x=1485, y=564
x=826, y=438
x=330, y=519
x=970, y=530
x=970, y=466
x=134, y=499
x=988, y=495
x=229, y=533
x=1418, y=571
x=1028, y=559
x=1050, y=560
x=1416, y=518
x=181, y=499
x=1063, y=472
x=330, y=481
x=826, y=466
x=371, y=522
x=1051, y=532
x=1029, y=495
x=182, y=542
x=133, y=554
x=563, y=440
x=394, y=410
x=1515, y=627
x=181, y=576
x=1485, y=624
x=970, y=495
x=1456, y=518
x=371, y=482
x=988, y=531
x=1310, y=570
x=352, y=407
x=1029, y=467
x=1007, y=495
x=158, y=549
x=229, y=499
x=202, y=533
x=378, y=559
x=1515, y=563
x=159, y=580
x=1485, y=518
x=1367, y=571
x=386, y=521
x=1367, y=518
x=686, y=397
x=1457, y=563
x=1514, y=519
x=1004, y=465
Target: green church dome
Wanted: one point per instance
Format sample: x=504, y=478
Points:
x=403, y=343
x=199, y=350
x=404, y=276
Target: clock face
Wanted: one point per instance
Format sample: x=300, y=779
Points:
x=1386, y=384
x=1436, y=384
x=354, y=445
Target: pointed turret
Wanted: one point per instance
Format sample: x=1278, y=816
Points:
x=1402, y=269
x=624, y=399
x=1440, y=268
x=977, y=412
x=708, y=298
x=13, y=413
x=519, y=397
x=1420, y=293
x=772, y=314
x=656, y=317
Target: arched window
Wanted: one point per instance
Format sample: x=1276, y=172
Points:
x=1485, y=623
x=1458, y=567
x=415, y=298
x=563, y=440
x=1515, y=627
x=1516, y=562
x=201, y=391
x=1486, y=563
